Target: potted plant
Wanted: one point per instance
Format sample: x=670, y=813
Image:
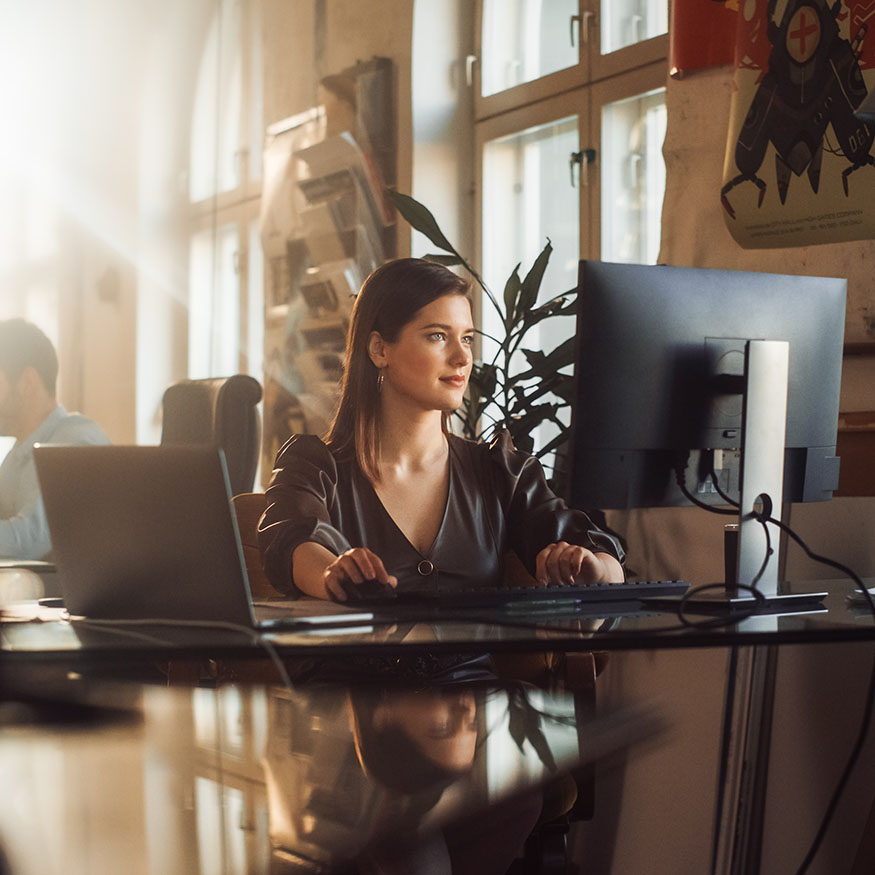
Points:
x=500, y=395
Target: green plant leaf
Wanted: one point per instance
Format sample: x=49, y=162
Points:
x=556, y=307
x=569, y=307
x=534, y=357
x=532, y=282
x=522, y=440
x=484, y=377
x=557, y=442
x=564, y=388
x=445, y=260
x=420, y=219
x=528, y=394
x=535, y=414
x=561, y=357
x=511, y=296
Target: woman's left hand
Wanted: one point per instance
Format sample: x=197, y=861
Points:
x=568, y=563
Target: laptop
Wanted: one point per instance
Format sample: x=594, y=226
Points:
x=150, y=532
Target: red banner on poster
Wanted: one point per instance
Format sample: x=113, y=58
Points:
x=702, y=34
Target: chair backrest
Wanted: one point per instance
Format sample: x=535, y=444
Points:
x=249, y=506
x=220, y=411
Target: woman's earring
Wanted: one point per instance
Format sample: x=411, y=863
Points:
x=380, y=381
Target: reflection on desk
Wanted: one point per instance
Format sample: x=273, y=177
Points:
x=256, y=779
x=88, y=645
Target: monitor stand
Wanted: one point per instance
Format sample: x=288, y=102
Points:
x=763, y=428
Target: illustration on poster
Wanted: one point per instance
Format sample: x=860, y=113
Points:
x=813, y=82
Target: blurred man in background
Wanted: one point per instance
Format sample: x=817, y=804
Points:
x=29, y=412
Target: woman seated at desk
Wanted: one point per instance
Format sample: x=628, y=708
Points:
x=391, y=495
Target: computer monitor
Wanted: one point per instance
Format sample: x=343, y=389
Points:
x=660, y=383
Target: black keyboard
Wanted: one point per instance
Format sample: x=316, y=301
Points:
x=585, y=594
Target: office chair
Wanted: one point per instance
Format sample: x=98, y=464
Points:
x=220, y=411
x=249, y=506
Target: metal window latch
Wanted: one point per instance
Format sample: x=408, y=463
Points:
x=586, y=22
x=582, y=159
x=583, y=23
x=470, y=60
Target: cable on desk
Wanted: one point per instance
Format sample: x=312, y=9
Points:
x=866, y=720
x=826, y=561
x=769, y=519
x=856, y=750
x=254, y=635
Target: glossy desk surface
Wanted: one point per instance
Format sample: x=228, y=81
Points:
x=515, y=629
x=258, y=779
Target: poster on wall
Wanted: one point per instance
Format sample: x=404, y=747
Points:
x=799, y=167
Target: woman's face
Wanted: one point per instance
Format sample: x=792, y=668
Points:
x=441, y=724
x=428, y=366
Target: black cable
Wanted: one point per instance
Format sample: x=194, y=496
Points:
x=731, y=502
x=679, y=472
x=759, y=601
x=769, y=552
x=843, y=780
x=865, y=723
x=118, y=628
x=826, y=561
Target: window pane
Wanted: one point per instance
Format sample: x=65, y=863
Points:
x=633, y=178
x=523, y=40
x=253, y=354
x=215, y=129
x=214, y=304
x=255, y=94
x=527, y=198
x=626, y=22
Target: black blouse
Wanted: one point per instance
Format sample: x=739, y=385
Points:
x=498, y=501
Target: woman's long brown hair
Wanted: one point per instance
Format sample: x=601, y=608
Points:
x=389, y=299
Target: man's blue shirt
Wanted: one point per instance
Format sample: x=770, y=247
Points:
x=24, y=532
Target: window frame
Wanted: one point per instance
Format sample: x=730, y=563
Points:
x=592, y=67
x=239, y=206
x=520, y=119
x=584, y=89
x=640, y=80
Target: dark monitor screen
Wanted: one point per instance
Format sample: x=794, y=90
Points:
x=660, y=355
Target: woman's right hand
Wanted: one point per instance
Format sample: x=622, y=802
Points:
x=355, y=566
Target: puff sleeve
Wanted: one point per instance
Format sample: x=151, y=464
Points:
x=301, y=500
x=535, y=515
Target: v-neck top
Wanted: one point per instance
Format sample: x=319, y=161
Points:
x=498, y=500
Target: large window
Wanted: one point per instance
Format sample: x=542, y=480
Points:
x=225, y=304
x=569, y=123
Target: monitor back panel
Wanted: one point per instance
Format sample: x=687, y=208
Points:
x=144, y=532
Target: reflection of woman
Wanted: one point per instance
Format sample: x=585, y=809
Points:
x=417, y=743
x=391, y=495
x=411, y=740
